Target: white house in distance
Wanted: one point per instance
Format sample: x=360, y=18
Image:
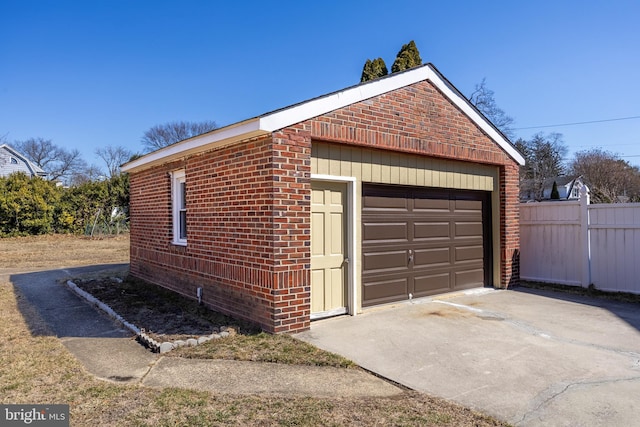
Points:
x=12, y=161
x=568, y=188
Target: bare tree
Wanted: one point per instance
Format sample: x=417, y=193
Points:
x=543, y=156
x=160, y=136
x=610, y=179
x=113, y=157
x=60, y=164
x=483, y=98
x=87, y=174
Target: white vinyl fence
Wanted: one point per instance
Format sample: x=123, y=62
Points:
x=575, y=243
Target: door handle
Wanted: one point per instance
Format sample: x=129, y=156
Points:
x=410, y=255
x=346, y=261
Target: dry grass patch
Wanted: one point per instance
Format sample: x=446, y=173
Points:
x=61, y=250
x=37, y=369
x=264, y=347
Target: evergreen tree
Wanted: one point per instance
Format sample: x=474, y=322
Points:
x=373, y=70
x=555, y=195
x=408, y=57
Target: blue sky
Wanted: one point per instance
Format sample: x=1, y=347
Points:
x=94, y=73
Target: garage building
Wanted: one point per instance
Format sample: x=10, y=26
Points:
x=386, y=191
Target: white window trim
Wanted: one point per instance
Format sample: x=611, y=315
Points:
x=177, y=177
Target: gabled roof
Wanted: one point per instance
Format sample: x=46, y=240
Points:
x=279, y=119
x=33, y=168
x=560, y=180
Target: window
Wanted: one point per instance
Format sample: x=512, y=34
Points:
x=14, y=161
x=179, y=207
x=575, y=192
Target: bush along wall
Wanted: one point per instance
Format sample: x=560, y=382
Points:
x=31, y=206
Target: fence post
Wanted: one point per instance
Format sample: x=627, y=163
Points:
x=585, y=238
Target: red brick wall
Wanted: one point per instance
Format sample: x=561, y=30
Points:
x=292, y=228
x=415, y=119
x=248, y=230
x=509, y=226
x=248, y=205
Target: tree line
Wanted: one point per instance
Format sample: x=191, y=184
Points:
x=75, y=194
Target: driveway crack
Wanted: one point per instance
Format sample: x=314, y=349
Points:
x=564, y=388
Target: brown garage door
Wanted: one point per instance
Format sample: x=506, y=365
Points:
x=422, y=241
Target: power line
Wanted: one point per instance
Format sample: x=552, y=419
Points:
x=579, y=123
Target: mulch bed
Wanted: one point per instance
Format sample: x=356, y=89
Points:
x=163, y=314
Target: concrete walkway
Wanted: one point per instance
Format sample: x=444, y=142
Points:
x=109, y=352
x=531, y=358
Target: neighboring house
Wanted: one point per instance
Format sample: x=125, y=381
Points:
x=393, y=189
x=12, y=161
x=568, y=188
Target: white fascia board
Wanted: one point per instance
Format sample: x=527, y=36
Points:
x=219, y=137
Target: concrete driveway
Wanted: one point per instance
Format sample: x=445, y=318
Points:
x=528, y=357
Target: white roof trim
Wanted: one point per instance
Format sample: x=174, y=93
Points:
x=223, y=136
x=283, y=118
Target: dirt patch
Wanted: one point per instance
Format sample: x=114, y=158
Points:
x=164, y=315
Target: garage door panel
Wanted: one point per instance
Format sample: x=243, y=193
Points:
x=386, y=231
x=467, y=206
x=469, y=253
x=431, y=230
x=435, y=257
x=468, y=279
x=386, y=203
x=385, y=261
x=431, y=284
x=431, y=205
x=468, y=229
x=385, y=291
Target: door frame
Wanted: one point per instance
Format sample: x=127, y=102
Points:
x=350, y=237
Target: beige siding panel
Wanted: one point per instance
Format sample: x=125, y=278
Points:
x=385, y=167
x=345, y=161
